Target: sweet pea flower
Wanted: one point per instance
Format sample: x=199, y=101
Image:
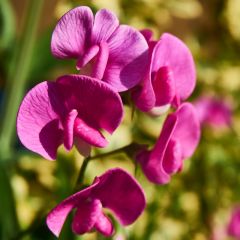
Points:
x=234, y=224
x=170, y=76
x=117, y=53
x=115, y=190
x=214, y=112
x=71, y=110
x=178, y=140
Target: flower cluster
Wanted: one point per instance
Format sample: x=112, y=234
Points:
x=74, y=109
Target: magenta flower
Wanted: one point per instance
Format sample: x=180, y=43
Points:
x=178, y=140
x=234, y=224
x=170, y=77
x=117, y=53
x=213, y=112
x=115, y=190
x=73, y=109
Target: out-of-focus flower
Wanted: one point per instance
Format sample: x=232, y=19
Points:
x=214, y=112
x=178, y=140
x=73, y=109
x=115, y=190
x=117, y=53
x=234, y=224
x=171, y=74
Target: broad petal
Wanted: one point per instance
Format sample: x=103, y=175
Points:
x=121, y=193
x=152, y=161
x=104, y=225
x=98, y=105
x=72, y=33
x=128, y=56
x=187, y=131
x=173, y=53
x=38, y=124
x=105, y=23
x=58, y=215
x=88, y=212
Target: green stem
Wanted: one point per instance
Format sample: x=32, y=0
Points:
x=129, y=149
x=17, y=77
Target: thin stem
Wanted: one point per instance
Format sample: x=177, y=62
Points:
x=129, y=149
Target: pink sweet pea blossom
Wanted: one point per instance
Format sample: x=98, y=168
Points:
x=214, y=112
x=234, y=224
x=115, y=190
x=117, y=53
x=170, y=77
x=73, y=109
x=178, y=140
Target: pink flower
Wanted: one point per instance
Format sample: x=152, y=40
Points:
x=234, y=224
x=178, y=140
x=213, y=111
x=73, y=109
x=170, y=77
x=115, y=190
x=117, y=53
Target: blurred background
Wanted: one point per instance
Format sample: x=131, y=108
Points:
x=197, y=203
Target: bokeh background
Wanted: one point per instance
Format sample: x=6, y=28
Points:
x=197, y=203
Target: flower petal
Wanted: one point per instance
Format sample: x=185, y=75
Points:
x=72, y=33
x=214, y=112
x=152, y=161
x=128, y=56
x=164, y=86
x=172, y=160
x=97, y=103
x=105, y=23
x=68, y=129
x=104, y=225
x=58, y=215
x=173, y=53
x=234, y=224
x=187, y=131
x=38, y=125
x=86, y=216
x=89, y=134
x=121, y=193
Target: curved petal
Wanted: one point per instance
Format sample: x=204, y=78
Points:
x=86, y=216
x=172, y=160
x=164, y=86
x=173, y=53
x=187, y=131
x=104, y=225
x=58, y=215
x=89, y=134
x=38, y=124
x=97, y=103
x=121, y=193
x=128, y=56
x=105, y=23
x=152, y=161
x=72, y=33
x=68, y=129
